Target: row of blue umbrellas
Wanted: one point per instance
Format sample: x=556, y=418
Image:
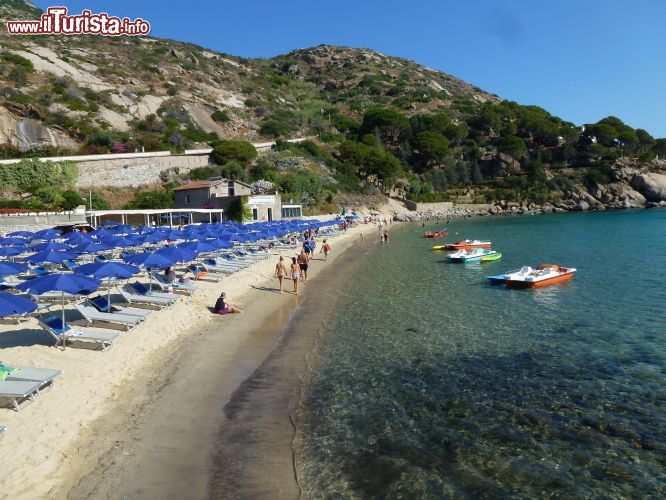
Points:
x=53, y=247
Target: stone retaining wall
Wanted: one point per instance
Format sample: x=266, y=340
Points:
x=134, y=172
x=36, y=222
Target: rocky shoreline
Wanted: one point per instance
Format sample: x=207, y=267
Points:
x=629, y=189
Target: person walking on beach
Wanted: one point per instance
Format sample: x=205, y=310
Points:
x=295, y=273
x=303, y=260
x=280, y=271
x=325, y=248
x=385, y=236
x=223, y=307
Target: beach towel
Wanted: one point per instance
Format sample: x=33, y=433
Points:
x=6, y=371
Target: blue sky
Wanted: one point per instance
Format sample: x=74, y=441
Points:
x=579, y=59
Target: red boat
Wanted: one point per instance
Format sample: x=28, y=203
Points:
x=438, y=234
x=544, y=275
x=467, y=245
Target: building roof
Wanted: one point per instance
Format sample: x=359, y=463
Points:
x=208, y=183
x=200, y=184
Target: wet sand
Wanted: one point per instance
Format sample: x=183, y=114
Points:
x=212, y=420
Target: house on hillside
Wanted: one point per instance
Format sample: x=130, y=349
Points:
x=221, y=193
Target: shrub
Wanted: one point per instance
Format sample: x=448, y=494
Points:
x=220, y=116
x=71, y=199
x=17, y=60
x=29, y=173
x=151, y=199
x=204, y=173
x=274, y=128
x=239, y=210
x=228, y=150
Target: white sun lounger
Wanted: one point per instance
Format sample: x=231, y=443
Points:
x=143, y=290
x=210, y=268
x=175, y=285
x=132, y=297
x=131, y=311
x=20, y=393
x=53, y=325
x=90, y=314
x=44, y=376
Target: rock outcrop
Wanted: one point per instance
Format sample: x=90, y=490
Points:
x=653, y=186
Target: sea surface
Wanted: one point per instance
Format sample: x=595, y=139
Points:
x=430, y=383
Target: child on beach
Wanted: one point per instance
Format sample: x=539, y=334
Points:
x=223, y=307
x=326, y=248
x=295, y=273
x=280, y=271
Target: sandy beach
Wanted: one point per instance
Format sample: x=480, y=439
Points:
x=70, y=437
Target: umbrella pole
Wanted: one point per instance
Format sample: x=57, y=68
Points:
x=64, y=333
x=108, y=298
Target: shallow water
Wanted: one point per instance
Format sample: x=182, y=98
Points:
x=431, y=383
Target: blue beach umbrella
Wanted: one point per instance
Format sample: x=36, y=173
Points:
x=149, y=260
x=197, y=246
x=47, y=234
x=8, y=242
x=51, y=246
x=13, y=251
x=78, y=238
x=94, y=247
x=22, y=234
x=51, y=257
x=9, y=268
x=72, y=284
x=101, y=233
x=178, y=255
x=123, y=242
x=11, y=305
x=102, y=270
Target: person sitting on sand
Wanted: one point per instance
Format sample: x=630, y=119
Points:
x=280, y=271
x=169, y=275
x=295, y=273
x=223, y=307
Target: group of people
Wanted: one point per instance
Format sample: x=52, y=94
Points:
x=298, y=269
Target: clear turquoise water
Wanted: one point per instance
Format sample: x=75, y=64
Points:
x=430, y=383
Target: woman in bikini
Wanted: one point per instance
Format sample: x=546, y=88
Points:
x=280, y=271
x=295, y=273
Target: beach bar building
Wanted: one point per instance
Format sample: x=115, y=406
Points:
x=220, y=193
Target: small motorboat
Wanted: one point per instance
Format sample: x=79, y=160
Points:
x=468, y=245
x=544, y=275
x=437, y=234
x=472, y=255
x=491, y=257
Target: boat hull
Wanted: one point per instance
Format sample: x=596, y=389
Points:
x=540, y=283
x=491, y=257
x=467, y=247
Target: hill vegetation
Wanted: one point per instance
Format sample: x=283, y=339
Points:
x=378, y=124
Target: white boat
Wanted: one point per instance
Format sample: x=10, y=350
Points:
x=545, y=274
x=470, y=255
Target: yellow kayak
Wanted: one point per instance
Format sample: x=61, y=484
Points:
x=439, y=247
